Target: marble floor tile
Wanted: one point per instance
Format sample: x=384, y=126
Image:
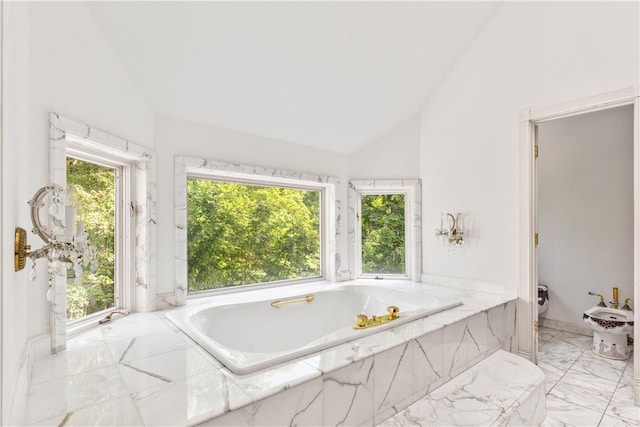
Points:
x=566, y=414
x=624, y=409
x=582, y=342
x=584, y=389
x=577, y=395
x=561, y=359
x=602, y=386
x=561, y=345
x=544, y=335
x=609, y=421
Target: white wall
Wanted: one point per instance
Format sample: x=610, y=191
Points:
x=391, y=156
x=14, y=140
x=585, y=210
x=178, y=137
x=55, y=60
x=530, y=54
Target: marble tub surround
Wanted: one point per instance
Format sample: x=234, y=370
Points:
x=266, y=333
x=140, y=370
x=503, y=389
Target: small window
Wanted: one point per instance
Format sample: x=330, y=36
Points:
x=386, y=228
x=98, y=190
x=243, y=233
x=383, y=234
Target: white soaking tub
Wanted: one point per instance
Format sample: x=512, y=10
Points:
x=246, y=337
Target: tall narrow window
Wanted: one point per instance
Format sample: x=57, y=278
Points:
x=383, y=234
x=242, y=233
x=386, y=227
x=97, y=188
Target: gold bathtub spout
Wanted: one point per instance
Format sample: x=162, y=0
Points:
x=278, y=304
x=363, y=321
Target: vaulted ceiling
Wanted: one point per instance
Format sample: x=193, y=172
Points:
x=332, y=75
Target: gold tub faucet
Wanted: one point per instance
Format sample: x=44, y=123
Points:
x=363, y=321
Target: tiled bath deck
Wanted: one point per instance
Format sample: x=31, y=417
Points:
x=584, y=389
x=140, y=370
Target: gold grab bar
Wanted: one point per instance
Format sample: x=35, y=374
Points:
x=278, y=304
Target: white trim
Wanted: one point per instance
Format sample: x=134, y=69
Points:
x=65, y=132
x=412, y=188
x=188, y=166
x=636, y=245
x=123, y=244
x=527, y=309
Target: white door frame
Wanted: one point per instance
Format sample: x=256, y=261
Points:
x=527, y=289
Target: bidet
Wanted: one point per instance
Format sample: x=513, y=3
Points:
x=610, y=329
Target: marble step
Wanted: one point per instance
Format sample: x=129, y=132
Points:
x=502, y=390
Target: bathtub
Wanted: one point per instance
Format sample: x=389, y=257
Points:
x=249, y=336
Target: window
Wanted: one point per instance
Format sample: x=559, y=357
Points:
x=98, y=190
x=386, y=228
x=240, y=233
x=241, y=227
x=382, y=230
x=132, y=167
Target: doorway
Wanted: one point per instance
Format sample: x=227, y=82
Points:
x=584, y=180
x=528, y=287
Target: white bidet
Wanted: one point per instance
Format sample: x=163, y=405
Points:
x=610, y=329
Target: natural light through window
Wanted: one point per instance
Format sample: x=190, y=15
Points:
x=383, y=234
x=96, y=190
x=248, y=233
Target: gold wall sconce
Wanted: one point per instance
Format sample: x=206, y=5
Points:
x=451, y=231
x=63, y=242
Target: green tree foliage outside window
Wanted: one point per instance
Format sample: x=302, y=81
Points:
x=242, y=234
x=96, y=193
x=383, y=234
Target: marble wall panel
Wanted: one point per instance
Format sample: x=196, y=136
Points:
x=428, y=362
x=349, y=394
x=393, y=370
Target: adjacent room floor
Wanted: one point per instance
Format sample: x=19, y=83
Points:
x=584, y=389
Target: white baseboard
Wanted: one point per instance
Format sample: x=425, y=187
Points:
x=565, y=326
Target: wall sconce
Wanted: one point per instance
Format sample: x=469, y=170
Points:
x=63, y=242
x=453, y=235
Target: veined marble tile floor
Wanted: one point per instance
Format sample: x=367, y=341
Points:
x=584, y=389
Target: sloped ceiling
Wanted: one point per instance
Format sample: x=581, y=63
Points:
x=332, y=75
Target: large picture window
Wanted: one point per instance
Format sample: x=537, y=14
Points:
x=240, y=227
x=245, y=233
